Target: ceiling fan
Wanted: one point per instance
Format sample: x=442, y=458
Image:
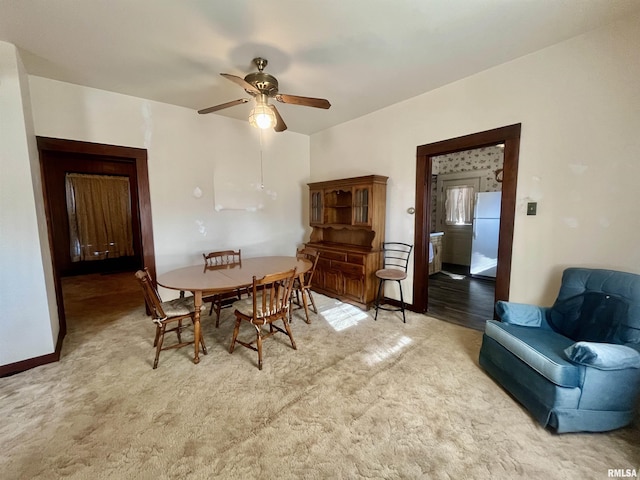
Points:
x=263, y=86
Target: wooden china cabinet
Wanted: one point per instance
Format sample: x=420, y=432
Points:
x=347, y=217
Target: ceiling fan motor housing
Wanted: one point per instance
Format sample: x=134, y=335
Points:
x=264, y=82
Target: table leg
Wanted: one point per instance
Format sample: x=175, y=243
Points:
x=197, y=303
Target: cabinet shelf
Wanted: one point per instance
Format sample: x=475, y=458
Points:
x=347, y=226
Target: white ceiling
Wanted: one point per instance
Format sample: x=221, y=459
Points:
x=361, y=55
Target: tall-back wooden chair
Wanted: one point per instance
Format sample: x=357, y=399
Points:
x=269, y=302
x=166, y=313
x=302, y=284
x=396, y=261
x=222, y=259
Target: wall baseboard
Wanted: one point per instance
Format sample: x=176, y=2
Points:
x=395, y=303
x=23, y=365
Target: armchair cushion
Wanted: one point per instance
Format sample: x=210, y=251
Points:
x=603, y=356
x=521, y=313
x=540, y=349
x=598, y=306
x=591, y=316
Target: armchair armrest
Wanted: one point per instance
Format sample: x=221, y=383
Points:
x=603, y=356
x=522, y=314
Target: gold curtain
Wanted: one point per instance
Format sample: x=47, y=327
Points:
x=99, y=210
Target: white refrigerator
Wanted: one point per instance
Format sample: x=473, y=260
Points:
x=486, y=229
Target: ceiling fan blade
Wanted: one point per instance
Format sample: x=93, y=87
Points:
x=223, y=105
x=241, y=81
x=305, y=101
x=280, y=125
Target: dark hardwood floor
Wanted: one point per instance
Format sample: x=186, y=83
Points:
x=465, y=301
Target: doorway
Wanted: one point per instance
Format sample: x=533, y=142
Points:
x=463, y=290
x=58, y=157
x=509, y=136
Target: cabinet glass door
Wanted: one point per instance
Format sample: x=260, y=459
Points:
x=361, y=206
x=316, y=207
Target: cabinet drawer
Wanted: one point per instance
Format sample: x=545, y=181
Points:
x=323, y=264
x=333, y=255
x=355, y=258
x=349, y=268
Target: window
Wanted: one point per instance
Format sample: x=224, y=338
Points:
x=458, y=205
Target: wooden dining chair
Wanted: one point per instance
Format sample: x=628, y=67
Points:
x=302, y=284
x=222, y=259
x=269, y=302
x=165, y=314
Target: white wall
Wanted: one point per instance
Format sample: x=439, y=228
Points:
x=187, y=151
x=579, y=105
x=29, y=320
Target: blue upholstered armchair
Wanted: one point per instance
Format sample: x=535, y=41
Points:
x=576, y=365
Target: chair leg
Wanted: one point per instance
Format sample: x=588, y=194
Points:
x=378, y=298
x=204, y=347
x=259, y=346
x=288, y=329
x=313, y=303
x=293, y=300
x=236, y=329
x=305, y=302
x=297, y=292
x=404, y=319
x=159, y=346
x=155, y=340
x=218, y=305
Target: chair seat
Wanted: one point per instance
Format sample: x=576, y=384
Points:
x=541, y=349
x=179, y=306
x=391, y=274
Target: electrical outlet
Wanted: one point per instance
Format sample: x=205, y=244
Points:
x=532, y=207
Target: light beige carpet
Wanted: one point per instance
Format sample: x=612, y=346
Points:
x=358, y=399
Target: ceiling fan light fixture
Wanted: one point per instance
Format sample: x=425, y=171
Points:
x=262, y=117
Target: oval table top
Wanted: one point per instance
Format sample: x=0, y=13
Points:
x=229, y=277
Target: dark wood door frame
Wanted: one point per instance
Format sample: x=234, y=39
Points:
x=49, y=150
x=510, y=137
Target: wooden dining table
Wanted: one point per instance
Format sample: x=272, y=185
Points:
x=202, y=281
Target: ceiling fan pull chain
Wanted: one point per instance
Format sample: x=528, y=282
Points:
x=261, y=168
